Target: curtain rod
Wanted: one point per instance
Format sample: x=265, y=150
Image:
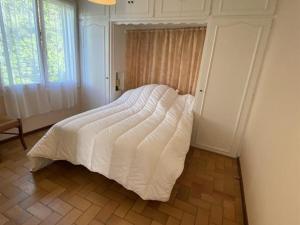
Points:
x=152, y=29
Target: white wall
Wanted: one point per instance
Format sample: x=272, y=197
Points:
x=270, y=156
x=118, y=59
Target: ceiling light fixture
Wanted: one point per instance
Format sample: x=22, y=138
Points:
x=104, y=2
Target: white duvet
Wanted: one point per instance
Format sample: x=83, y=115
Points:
x=139, y=140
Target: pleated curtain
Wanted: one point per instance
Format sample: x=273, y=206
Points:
x=164, y=56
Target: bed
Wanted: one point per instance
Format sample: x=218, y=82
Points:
x=140, y=140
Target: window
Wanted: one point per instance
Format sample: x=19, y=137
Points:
x=59, y=29
x=37, y=41
x=20, y=57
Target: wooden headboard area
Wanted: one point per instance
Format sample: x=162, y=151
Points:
x=170, y=56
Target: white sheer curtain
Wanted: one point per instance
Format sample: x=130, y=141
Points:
x=38, y=72
x=58, y=32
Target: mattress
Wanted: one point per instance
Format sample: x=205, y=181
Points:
x=140, y=140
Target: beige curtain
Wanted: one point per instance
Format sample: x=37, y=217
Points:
x=164, y=56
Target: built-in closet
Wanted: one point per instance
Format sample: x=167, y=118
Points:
x=156, y=53
x=236, y=39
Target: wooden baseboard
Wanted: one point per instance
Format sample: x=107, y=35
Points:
x=245, y=215
x=25, y=134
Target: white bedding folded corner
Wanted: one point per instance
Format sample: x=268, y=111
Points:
x=140, y=140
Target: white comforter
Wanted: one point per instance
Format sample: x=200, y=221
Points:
x=139, y=140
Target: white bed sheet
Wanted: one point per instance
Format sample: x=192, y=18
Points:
x=140, y=140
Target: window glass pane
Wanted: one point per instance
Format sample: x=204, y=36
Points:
x=59, y=27
x=19, y=43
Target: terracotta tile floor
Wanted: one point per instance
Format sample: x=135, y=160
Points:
x=207, y=193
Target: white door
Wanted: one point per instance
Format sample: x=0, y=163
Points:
x=195, y=8
x=88, y=9
x=122, y=8
x=230, y=67
x=128, y=9
x=182, y=8
x=244, y=7
x=142, y=8
x=94, y=63
x=168, y=8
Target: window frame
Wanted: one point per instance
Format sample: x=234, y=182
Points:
x=38, y=15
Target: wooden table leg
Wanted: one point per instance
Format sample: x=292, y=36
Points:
x=21, y=135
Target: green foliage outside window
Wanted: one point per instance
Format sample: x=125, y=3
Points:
x=21, y=47
x=54, y=41
x=18, y=36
